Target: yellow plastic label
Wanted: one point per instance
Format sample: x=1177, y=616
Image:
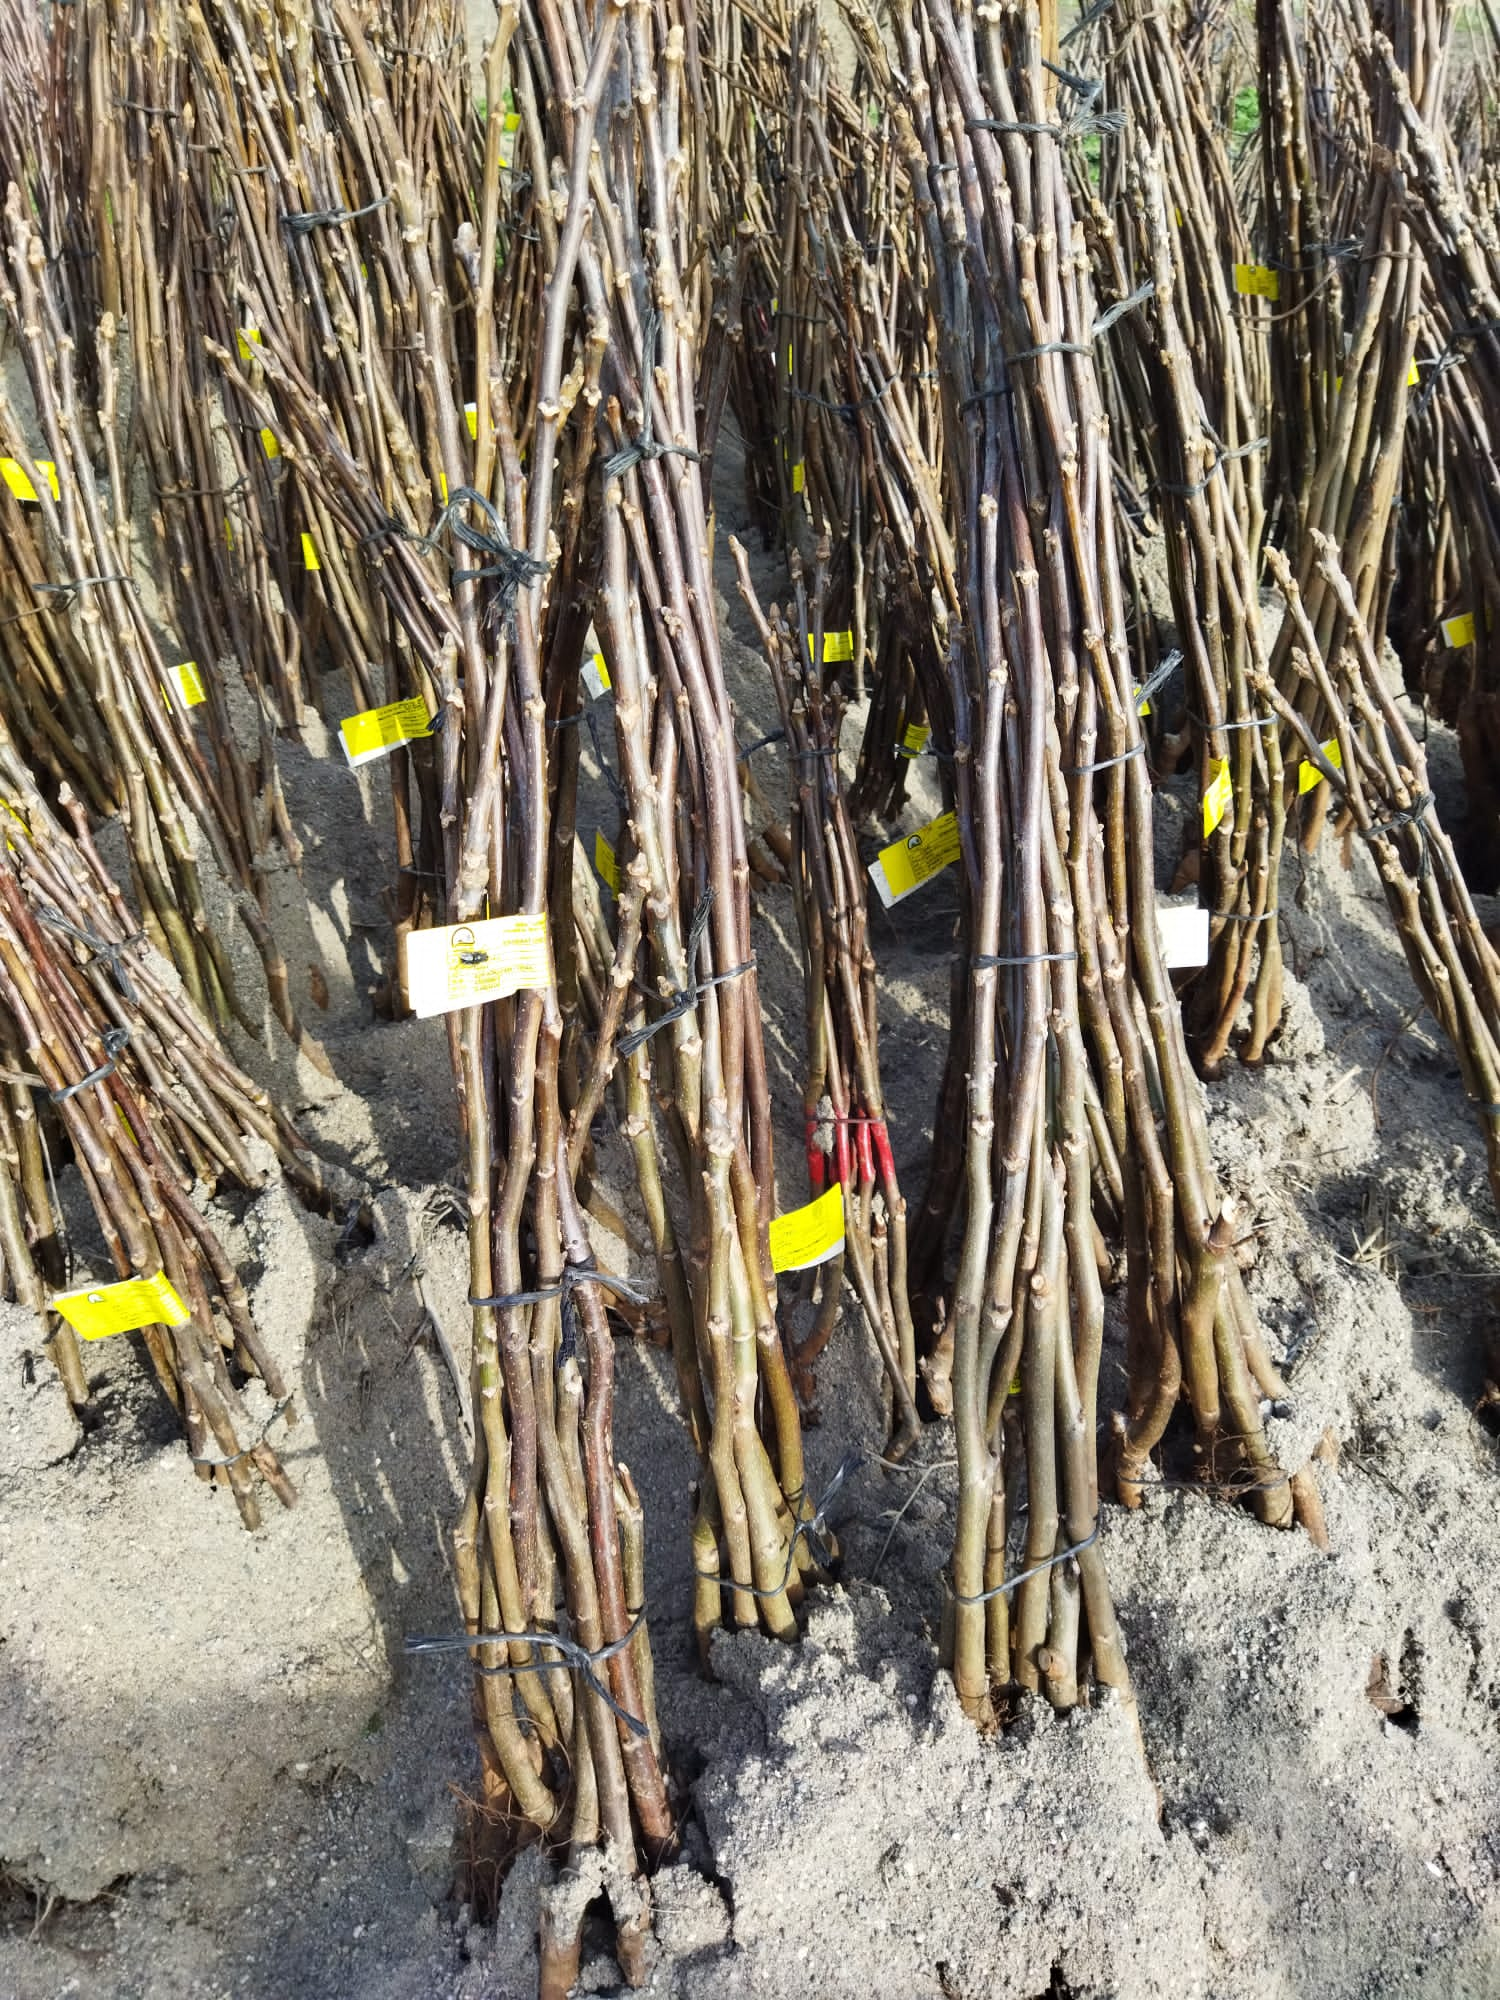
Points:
x=1141, y=707
x=464, y=965
x=596, y=676
x=799, y=477
x=914, y=739
x=1220, y=792
x=269, y=445
x=377, y=731
x=790, y=363
x=20, y=485
x=1459, y=631
x=443, y=487
x=1257, y=281
x=809, y=1235
x=471, y=418
x=244, y=337
x=836, y=646
x=606, y=864
x=187, y=683
x=1308, y=773
x=101, y=1310
x=906, y=864
x=309, y=554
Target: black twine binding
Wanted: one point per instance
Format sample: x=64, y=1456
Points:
x=1224, y=457
x=1247, y=722
x=1104, y=763
x=572, y=1277
x=1025, y=959
x=74, y=584
x=1015, y=1582
x=512, y=568
x=592, y=726
x=686, y=997
x=646, y=446
x=328, y=218
x=849, y=410
x=265, y=1431
x=1048, y=347
x=760, y=743
x=1116, y=312
x=1086, y=87
x=1157, y=680
x=1324, y=253
x=1078, y=127
x=1085, y=21
x=808, y=1529
x=111, y=952
x=114, y=1040
x=1393, y=822
x=984, y=395
x=1451, y=357
x=1101, y=325
x=575, y=1659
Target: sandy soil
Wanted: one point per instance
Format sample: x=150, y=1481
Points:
x=219, y=1775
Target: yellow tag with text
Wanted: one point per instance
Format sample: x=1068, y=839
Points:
x=836, y=646
x=1308, y=773
x=1459, y=631
x=906, y=864
x=269, y=445
x=244, y=337
x=377, y=731
x=809, y=1235
x=471, y=418
x=605, y=863
x=1257, y=281
x=464, y=965
x=187, y=683
x=914, y=739
x=1141, y=707
x=100, y=1310
x=309, y=554
x=1220, y=792
x=20, y=485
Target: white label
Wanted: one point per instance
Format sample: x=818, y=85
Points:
x=1183, y=930
x=465, y=965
